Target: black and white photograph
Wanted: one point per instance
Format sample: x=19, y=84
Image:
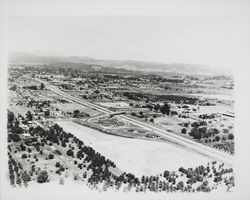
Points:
x=130, y=106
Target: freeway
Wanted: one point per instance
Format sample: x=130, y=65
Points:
x=170, y=137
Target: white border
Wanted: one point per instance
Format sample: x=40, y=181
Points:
x=238, y=10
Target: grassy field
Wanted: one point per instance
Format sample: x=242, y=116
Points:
x=135, y=155
x=70, y=107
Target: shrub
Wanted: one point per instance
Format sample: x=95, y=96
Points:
x=70, y=153
x=24, y=155
x=217, y=138
x=205, y=183
x=166, y=174
x=51, y=156
x=23, y=147
x=57, y=164
x=14, y=137
x=43, y=177
x=230, y=136
x=199, y=178
x=183, y=131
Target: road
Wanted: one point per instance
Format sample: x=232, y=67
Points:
x=170, y=137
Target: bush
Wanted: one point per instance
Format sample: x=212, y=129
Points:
x=24, y=155
x=213, y=131
x=70, y=153
x=230, y=136
x=202, y=130
x=205, y=183
x=166, y=174
x=51, y=156
x=14, y=137
x=23, y=147
x=217, y=138
x=189, y=174
x=165, y=109
x=57, y=164
x=195, y=134
x=183, y=131
x=43, y=177
x=191, y=180
x=199, y=178
x=180, y=185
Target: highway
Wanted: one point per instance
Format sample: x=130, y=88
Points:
x=170, y=137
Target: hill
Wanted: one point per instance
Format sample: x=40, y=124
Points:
x=180, y=68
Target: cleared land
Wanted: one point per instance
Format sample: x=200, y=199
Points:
x=135, y=155
x=70, y=107
x=115, y=104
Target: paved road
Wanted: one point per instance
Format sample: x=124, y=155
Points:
x=178, y=140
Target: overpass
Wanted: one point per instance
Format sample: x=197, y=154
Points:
x=166, y=135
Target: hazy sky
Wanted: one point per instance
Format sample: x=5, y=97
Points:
x=194, y=40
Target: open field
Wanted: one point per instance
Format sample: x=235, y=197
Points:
x=115, y=104
x=134, y=155
x=227, y=97
x=70, y=107
x=220, y=108
x=19, y=109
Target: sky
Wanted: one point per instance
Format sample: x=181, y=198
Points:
x=168, y=39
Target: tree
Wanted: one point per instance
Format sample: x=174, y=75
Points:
x=202, y=130
x=198, y=136
x=70, y=153
x=42, y=86
x=217, y=138
x=26, y=178
x=157, y=107
x=213, y=131
x=205, y=183
x=14, y=137
x=195, y=134
x=76, y=113
x=47, y=113
x=133, y=114
x=183, y=131
x=51, y=156
x=43, y=177
x=166, y=174
x=13, y=88
x=165, y=109
x=23, y=147
x=10, y=117
x=24, y=156
x=180, y=185
x=57, y=164
x=230, y=136
x=199, y=178
x=29, y=116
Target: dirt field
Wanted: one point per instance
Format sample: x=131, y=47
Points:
x=135, y=155
x=70, y=107
x=115, y=104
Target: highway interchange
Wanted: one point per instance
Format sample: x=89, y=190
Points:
x=168, y=136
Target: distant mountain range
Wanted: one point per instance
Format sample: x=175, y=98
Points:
x=192, y=69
